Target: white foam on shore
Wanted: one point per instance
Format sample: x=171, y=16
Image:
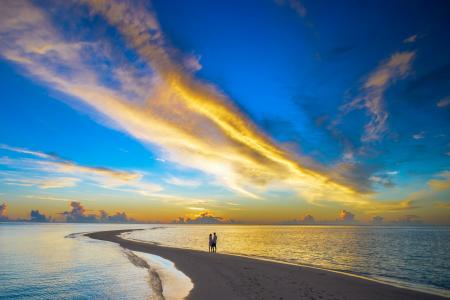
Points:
x=175, y=284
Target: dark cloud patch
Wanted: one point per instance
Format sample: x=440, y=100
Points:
x=337, y=52
x=308, y=219
x=342, y=50
x=355, y=175
x=36, y=216
x=118, y=217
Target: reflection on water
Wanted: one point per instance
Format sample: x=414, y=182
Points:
x=37, y=262
x=411, y=256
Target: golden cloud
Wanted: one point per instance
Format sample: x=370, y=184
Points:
x=190, y=122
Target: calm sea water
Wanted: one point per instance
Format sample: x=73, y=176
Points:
x=414, y=257
x=38, y=262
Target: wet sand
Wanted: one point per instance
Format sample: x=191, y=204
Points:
x=221, y=276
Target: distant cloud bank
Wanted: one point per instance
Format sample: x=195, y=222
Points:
x=3, y=211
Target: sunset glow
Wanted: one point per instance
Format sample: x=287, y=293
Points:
x=118, y=111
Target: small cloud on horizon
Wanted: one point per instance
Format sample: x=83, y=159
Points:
x=205, y=217
x=36, y=216
x=77, y=214
x=377, y=220
x=346, y=216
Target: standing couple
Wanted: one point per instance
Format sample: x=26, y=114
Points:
x=212, y=242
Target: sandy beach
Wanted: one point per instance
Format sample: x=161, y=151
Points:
x=235, y=277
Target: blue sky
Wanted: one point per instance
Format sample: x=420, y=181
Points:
x=301, y=108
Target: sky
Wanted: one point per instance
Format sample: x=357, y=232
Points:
x=279, y=111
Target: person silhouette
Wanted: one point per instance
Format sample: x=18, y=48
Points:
x=214, y=243
x=210, y=243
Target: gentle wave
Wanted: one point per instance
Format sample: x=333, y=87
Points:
x=154, y=279
x=166, y=281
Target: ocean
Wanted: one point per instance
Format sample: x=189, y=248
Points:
x=412, y=257
x=52, y=261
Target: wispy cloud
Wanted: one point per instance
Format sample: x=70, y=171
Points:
x=410, y=39
x=371, y=99
x=44, y=183
x=45, y=197
x=182, y=181
x=190, y=122
x=437, y=188
x=441, y=182
x=50, y=172
x=443, y=205
x=196, y=208
x=419, y=135
x=26, y=151
x=295, y=5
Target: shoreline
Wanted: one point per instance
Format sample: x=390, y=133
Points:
x=385, y=281
x=231, y=276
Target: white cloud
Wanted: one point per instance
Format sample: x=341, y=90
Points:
x=419, y=135
x=392, y=172
x=410, y=39
x=182, y=181
x=443, y=102
x=190, y=122
x=51, y=198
